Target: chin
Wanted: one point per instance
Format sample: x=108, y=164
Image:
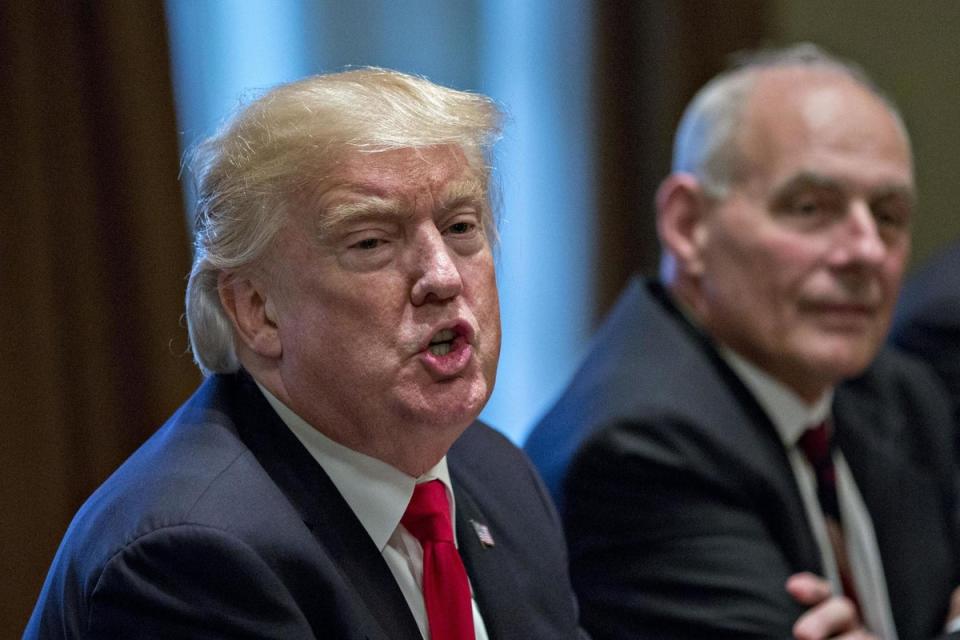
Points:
x=450, y=404
x=839, y=366
x=448, y=409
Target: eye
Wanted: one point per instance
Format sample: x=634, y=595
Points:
x=891, y=212
x=461, y=228
x=821, y=202
x=465, y=224
x=810, y=207
x=806, y=207
x=368, y=244
x=463, y=232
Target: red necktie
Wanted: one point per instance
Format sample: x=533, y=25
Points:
x=816, y=443
x=446, y=591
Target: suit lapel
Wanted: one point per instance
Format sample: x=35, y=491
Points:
x=494, y=588
x=341, y=536
x=743, y=423
x=359, y=561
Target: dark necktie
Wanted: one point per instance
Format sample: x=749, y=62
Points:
x=817, y=444
x=446, y=591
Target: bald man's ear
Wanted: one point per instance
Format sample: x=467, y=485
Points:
x=251, y=310
x=681, y=209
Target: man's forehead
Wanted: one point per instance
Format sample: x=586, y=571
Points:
x=813, y=100
x=397, y=182
x=399, y=178
x=402, y=190
x=791, y=113
x=396, y=170
x=804, y=180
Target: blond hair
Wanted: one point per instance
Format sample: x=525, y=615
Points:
x=272, y=154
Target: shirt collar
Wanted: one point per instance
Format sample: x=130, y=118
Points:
x=377, y=492
x=790, y=415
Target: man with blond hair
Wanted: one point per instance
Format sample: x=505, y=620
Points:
x=329, y=478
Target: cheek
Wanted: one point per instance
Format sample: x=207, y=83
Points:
x=893, y=271
x=488, y=300
x=492, y=321
x=483, y=300
x=785, y=268
x=340, y=320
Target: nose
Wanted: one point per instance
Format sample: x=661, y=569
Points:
x=436, y=276
x=862, y=243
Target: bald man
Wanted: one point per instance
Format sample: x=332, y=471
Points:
x=734, y=459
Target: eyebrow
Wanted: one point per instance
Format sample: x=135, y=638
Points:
x=373, y=207
x=811, y=179
x=369, y=208
x=463, y=193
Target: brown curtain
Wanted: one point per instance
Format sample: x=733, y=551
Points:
x=94, y=253
x=652, y=56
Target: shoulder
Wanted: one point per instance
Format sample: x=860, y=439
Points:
x=898, y=403
x=186, y=488
x=619, y=377
x=488, y=461
x=173, y=581
x=196, y=469
x=931, y=296
x=896, y=382
x=499, y=479
x=652, y=386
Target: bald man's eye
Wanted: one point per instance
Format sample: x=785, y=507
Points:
x=893, y=212
x=814, y=204
x=809, y=208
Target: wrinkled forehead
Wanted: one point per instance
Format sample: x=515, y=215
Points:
x=400, y=180
x=399, y=171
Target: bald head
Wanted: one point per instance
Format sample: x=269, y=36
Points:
x=707, y=142
x=787, y=236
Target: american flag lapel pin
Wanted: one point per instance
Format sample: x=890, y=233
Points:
x=483, y=533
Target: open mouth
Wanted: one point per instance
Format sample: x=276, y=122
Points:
x=449, y=351
x=442, y=343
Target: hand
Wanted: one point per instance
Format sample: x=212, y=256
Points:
x=954, y=613
x=829, y=616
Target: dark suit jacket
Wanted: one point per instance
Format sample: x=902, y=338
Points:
x=927, y=323
x=223, y=526
x=683, y=516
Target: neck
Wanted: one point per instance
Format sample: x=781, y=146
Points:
x=409, y=447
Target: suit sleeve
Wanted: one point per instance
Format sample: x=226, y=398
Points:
x=191, y=581
x=664, y=545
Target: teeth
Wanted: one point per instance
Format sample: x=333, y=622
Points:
x=443, y=336
x=441, y=349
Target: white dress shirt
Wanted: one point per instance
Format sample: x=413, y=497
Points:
x=791, y=417
x=379, y=494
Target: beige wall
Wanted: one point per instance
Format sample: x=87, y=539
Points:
x=912, y=50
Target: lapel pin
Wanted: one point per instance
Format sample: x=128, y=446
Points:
x=483, y=533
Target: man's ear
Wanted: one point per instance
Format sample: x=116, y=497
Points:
x=681, y=209
x=250, y=308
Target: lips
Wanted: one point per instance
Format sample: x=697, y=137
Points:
x=852, y=318
x=851, y=307
x=442, y=342
x=449, y=350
